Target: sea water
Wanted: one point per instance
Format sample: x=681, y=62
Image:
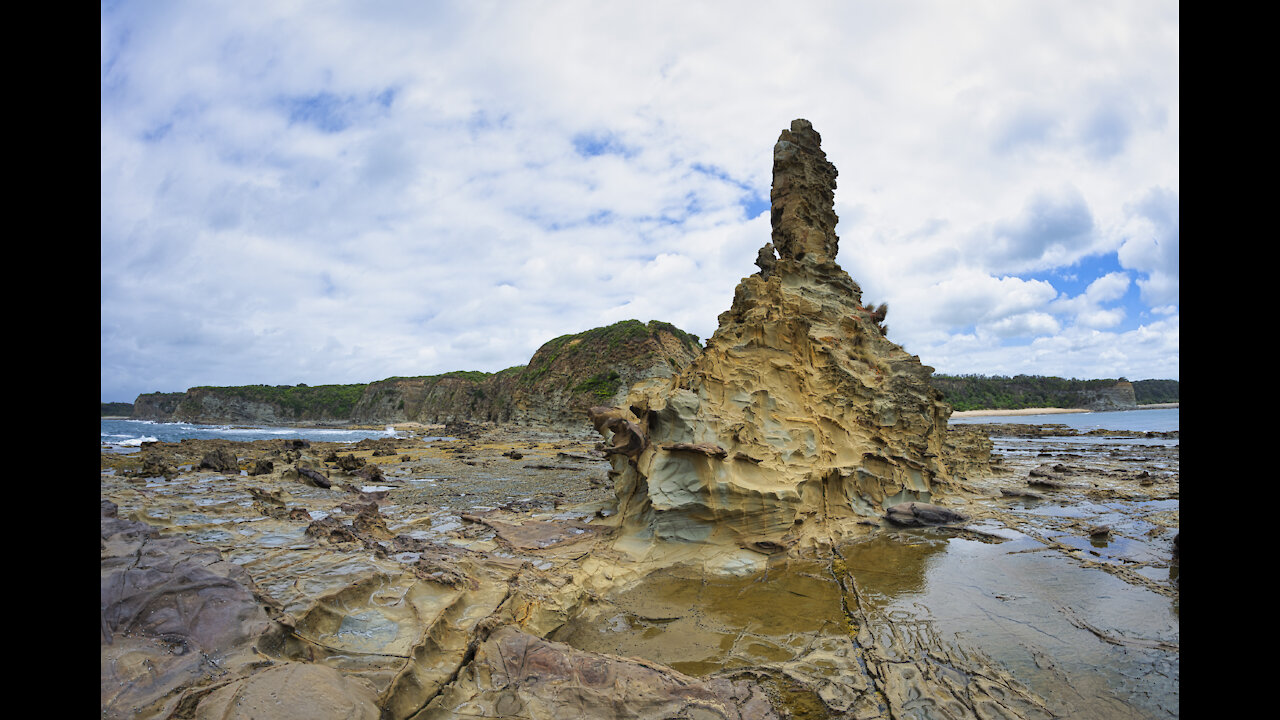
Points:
x=1154, y=420
x=123, y=433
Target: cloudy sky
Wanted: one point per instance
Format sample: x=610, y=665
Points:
x=342, y=192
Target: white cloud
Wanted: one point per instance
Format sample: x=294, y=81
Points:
x=1148, y=352
x=1054, y=228
x=1026, y=324
x=1107, y=288
x=348, y=192
x=1086, y=309
x=1150, y=244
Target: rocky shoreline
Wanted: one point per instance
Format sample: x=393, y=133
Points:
x=517, y=531
x=414, y=426
x=785, y=527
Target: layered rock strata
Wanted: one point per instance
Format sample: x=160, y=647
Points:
x=800, y=417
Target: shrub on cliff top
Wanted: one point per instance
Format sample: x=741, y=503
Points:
x=320, y=401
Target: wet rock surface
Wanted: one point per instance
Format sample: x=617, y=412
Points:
x=175, y=616
x=405, y=591
x=517, y=675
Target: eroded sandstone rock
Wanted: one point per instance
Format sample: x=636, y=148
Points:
x=174, y=616
x=851, y=632
x=293, y=691
x=517, y=675
x=799, y=414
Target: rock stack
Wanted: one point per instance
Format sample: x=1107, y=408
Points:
x=800, y=418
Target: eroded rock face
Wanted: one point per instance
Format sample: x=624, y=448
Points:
x=814, y=416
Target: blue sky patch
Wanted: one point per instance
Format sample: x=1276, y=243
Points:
x=157, y=133
x=591, y=144
x=483, y=121
x=752, y=201
x=1073, y=280
x=325, y=111
x=753, y=205
x=333, y=113
x=327, y=286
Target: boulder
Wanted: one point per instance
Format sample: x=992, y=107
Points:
x=918, y=514
x=313, y=477
x=262, y=466
x=220, y=460
x=349, y=463
x=370, y=473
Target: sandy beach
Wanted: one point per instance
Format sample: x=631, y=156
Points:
x=1022, y=411
x=1047, y=411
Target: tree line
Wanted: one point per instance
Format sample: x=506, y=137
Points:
x=1002, y=392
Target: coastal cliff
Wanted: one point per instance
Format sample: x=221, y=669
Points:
x=1117, y=397
x=156, y=406
x=564, y=377
x=400, y=399
x=980, y=392
x=572, y=373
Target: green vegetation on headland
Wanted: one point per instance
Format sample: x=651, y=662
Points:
x=117, y=409
x=999, y=392
x=564, y=377
x=570, y=373
x=602, y=385
x=1150, y=392
x=621, y=341
x=301, y=401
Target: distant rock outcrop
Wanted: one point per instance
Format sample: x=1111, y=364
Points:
x=1118, y=397
x=799, y=413
x=573, y=373
x=564, y=378
x=980, y=392
x=156, y=406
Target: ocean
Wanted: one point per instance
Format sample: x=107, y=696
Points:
x=123, y=434
x=1155, y=420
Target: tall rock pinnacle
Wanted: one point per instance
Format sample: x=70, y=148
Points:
x=803, y=196
x=800, y=419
